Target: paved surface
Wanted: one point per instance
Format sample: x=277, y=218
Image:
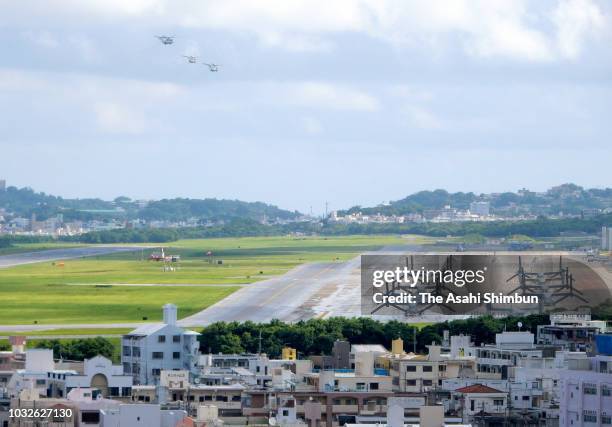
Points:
x=311, y=290
x=307, y=291
x=58, y=254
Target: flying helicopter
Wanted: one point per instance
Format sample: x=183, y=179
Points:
x=166, y=39
x=191, y=59
x=213, y=67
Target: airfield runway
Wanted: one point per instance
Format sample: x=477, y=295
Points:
x=59, y=254
x=313, y=290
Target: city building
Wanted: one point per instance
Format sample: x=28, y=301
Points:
x=586, y=389
x=571, y=331
x=606, y=238
x=479, y=402
x=480, y=208
x=418, y=373
x=42, y=375
x=149, y=349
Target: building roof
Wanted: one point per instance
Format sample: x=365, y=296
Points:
x=478, y=389
x=147, y=329
x=366, y=348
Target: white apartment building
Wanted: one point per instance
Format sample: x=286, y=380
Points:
x=606, y=238
x=571, y=331
x=40, y=374
x=149, y=349
x=493, y=360
x=586, y=394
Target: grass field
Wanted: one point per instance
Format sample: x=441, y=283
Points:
x=69, y=331
x=47, y=293
x=18, y=248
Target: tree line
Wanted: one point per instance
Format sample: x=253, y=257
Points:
x=317, y=336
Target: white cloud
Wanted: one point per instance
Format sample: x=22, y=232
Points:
x=116, y=118
x=422, y=118
x=312, y=125
x=513, y=29
x=42, y=38
x=325, y=95
x=85, y=48
x=577, y=20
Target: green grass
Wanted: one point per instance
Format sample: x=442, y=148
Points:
x=46, y=293
x=34, y=247
x=61, y=332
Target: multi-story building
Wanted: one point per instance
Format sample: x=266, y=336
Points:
x=493, y=360
x=571, y=331
x=606, y=238
x=148, y=350
x=43, y=376
x=480, y=208
x=586, y=389
x=418, y=373
x=480, y=404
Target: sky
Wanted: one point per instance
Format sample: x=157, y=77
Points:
x=350, y=102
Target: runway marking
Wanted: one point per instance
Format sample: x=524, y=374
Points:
x=286, y=288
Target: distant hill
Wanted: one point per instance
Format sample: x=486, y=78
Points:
x=25, y=202
x=566, y=198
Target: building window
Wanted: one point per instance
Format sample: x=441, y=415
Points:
x=176, y=339
x=589, y=417
x=606, y=419
x=442, y=368
x=158, y=355
x=155, y=372
x=127, y=368
x=411, y=368
x=606, y=391
x=373, y=386
x=114, y=391
x=427, y=368
x=90, y=417
x=590, y=389
x=176, y=355
x=161, y=338
x=498, y=402
x=410, y=382
x=127, y=351
x=136, y=351
x=427, y=382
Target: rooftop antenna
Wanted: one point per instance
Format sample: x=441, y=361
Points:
x=259, y=348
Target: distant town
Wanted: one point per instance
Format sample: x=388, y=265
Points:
x=25, y=212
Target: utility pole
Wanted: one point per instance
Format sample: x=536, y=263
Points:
x=414, y=342
x=259, y=348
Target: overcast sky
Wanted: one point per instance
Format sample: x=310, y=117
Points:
x=351, y=102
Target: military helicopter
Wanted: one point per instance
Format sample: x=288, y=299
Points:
x=213, y=67
x=166, y=39
x=191, y=59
